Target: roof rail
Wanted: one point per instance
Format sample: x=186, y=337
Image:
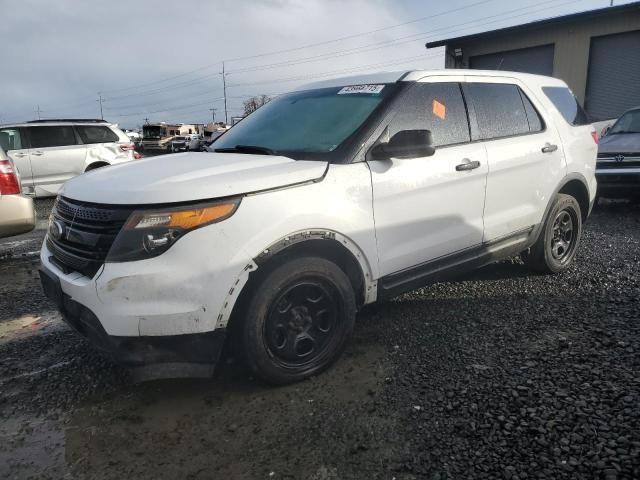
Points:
x=78, y=120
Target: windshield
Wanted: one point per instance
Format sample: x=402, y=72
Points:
x=152, y=131
x=627, y=123
x=311, y=123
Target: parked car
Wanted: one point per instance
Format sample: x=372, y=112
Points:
x=49, y=152
x=326, y=199
x=179, y=144
x=618, y=166
x=16, y=210
x=187, y=142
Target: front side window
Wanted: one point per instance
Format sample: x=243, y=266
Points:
x=567, y=104
x=10, y=139
x=438, y=107
x=499, y=110
x=627, y=123
x=54, y=136
x=309, y=124
x=96, y=134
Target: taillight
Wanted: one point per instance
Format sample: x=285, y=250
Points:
x=594, y=135
x=125, y=147
x=9, y=183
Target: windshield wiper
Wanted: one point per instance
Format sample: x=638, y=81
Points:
x=247, y=149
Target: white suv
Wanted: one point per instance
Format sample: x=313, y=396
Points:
x=47, y=153
x=326, y=199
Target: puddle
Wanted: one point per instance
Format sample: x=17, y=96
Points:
x=226, y=427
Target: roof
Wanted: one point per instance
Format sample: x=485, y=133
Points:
x=54, y=122
x=414, y=75
x=586, y=15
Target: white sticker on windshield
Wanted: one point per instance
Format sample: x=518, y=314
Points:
x=361, y=89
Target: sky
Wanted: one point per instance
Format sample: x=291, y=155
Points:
x=161, y=61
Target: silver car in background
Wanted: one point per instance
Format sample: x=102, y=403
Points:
x=16, y=210
x=618, y=166
x=47, y=153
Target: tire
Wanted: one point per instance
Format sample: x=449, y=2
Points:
x=556, y=246
x=297, y=320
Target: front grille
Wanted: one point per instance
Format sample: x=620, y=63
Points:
x=607, y=161
x=87, y=233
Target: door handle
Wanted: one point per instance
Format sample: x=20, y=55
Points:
x=18, y=155
x=467, y=165
x=549, y=148
x=37, y=153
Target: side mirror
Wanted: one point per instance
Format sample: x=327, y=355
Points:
x=605, y=132
x=405, y=144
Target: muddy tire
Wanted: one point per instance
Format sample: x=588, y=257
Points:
x=556, y=246
x=297, y=320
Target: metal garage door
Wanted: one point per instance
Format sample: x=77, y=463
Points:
x=529, y=60
x=613, y=84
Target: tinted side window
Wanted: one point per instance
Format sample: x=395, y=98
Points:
x=536, y=124
x=438, y=107
x=96, y=134
x=10, y=139
x=499, y=109
x=59, y=136
x=567, y=105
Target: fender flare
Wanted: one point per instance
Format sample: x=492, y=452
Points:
x=568, y=178
x=370, y=287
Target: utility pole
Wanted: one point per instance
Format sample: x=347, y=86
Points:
x=100, y=101
x=38, y=111
x=224, y=89
x=213, y=114
x=146, y=121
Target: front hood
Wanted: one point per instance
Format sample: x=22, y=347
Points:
x=620, y=143
x=184, y=177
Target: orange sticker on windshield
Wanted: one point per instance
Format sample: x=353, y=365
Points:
x=439, y=110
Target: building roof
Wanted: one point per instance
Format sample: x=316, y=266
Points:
x=586, y=15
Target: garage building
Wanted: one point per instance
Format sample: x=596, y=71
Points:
x=596, y=52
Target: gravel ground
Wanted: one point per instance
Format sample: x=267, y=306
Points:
x=501, y=374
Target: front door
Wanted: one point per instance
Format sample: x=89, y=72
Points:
x=56, y=156
x=427, y=208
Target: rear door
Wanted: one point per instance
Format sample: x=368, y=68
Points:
x=102, y=145
x=13, y=143
x=56, y=156
x=430, y=207
x=526, y=161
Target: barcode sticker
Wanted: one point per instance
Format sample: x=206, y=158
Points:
x=361, y=89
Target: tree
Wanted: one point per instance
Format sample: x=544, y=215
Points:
x=254, y=103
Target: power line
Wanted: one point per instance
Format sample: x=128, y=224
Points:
x=355, y=35
x=337, y=72
x=311, y=45
x=398, y=41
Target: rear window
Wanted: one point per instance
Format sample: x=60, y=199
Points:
x=567, y=105
x=96, y=134
x=10, y=139
x=58, y=136
x=499, y=109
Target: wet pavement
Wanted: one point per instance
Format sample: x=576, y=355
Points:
x=501, y=374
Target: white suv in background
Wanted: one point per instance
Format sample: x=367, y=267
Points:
x=323, y=200
x=47, y=153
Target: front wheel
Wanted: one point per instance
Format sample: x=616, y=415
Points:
x=556, y=246
x=297, y=320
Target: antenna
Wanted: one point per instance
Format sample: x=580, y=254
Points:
x=100, y=101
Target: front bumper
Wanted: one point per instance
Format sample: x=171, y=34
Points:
x=170, y=351
x=618, y=183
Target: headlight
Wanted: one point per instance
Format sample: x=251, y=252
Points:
x=149, y=233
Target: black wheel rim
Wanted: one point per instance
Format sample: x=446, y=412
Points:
x=563, y=236
x=302, y=323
